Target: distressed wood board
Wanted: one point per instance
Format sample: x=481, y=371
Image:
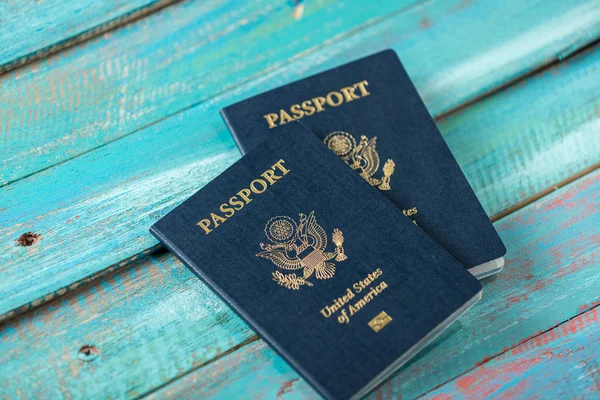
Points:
x=33, y=29
x=152, y=328
x=562, y=363
x=150, y=172
x=115, y=84
x=92, y=94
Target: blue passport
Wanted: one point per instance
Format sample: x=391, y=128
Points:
x=318, y=262
x=370, y=114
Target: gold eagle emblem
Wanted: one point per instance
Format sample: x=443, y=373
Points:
x=362, y=157
x=300, y=246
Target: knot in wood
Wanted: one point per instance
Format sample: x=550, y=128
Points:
x=88, y=353
x=29, y=238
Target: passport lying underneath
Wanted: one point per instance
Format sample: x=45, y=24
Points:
x=370, y=114
x=329, y=272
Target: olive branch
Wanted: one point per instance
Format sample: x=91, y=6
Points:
x=290, y=281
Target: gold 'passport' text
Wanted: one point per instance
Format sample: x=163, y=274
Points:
x=318, y=104
x=243, y=197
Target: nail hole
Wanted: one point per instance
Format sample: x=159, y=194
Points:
x=88, y=353
x=29, y=238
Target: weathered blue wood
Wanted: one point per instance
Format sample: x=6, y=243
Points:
x=532, y=135
x=146, y=338
x=94, y=218
x=31, y=29
x=226, y=378
x=562, y=364
x=132, y=357
x=109, y=87
x=154, y=321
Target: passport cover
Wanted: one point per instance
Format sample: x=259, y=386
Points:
x=329, y=272
x=370, y=114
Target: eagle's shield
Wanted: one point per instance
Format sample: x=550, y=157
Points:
x=311, y=257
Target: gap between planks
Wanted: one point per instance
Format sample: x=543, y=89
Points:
x=494, y=218
x=532, y=199
x=559, y=58
x=91, y=33
x=232, y=350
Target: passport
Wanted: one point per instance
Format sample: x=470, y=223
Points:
x=370, y=114
x=319, y=263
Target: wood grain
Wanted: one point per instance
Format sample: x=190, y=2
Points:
x=108, y=87
x=154, y=322
x=93, y=218
x=562, y=363
x=161, y=301
x=112, y=86
x=225, y=378
x=32, y=29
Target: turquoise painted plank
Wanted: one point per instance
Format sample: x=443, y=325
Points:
x=532, y=135
x=155, y=322
x=31, y=29
x=274, y=378
x=128, y=364
x=113, y=85
x=94, y=218
x=561, y=363
x=109, y=87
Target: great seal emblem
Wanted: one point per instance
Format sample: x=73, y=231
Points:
x=300, y=246
x=362, y=157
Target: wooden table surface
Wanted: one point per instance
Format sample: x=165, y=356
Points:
x=109, y=118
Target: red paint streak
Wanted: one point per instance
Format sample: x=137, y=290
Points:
x=466, y=382
x=537, y=285
x=389, y=392
x=584, y=307
x=574, y=266
x=580, y=323
x=484, y=394
x=554, y=203
x=520, y=366
x=386, y=392
x=516, y=299
x=486, y=381
x=570, y=193
x=286, y=388
x=523, y=269
x=571, y=327
x=594, y=315
x=515, y=392
x=378, y=395
x=442, y=397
